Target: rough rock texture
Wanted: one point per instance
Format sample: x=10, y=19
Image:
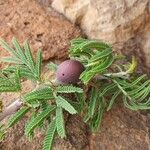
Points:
x=123, y=129
x=44, y=29
x=46, y=3
x=125, y=23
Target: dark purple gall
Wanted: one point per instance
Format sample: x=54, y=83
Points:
x=69, y=71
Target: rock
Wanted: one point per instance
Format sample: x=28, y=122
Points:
x=117, y=22
x=78, y=132
x=46, y=3
x=44, y=29
x=122, y=129
x=16, y=139
x=77, y=135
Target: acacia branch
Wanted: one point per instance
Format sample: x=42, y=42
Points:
x=12, y=108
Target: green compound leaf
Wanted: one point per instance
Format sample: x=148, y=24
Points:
x=60, y=122
x=48, y=140
x=89, y=73
x=112, y=100
x=38, y=63
x=23, y=58
x=10, y=60
x=98, y=55
x=35, y=122
x=52, y=66
x=61, y=102
x=17, y=116
x=68, y=89
x=10, y=83
x=39, y=94
x=92, y=104
x=4, y=44
x=27, y=74
x=97, y=118
x=29, y=56
x=23, y=71
x=19, y=50
x=136, y=93
x=2, y=132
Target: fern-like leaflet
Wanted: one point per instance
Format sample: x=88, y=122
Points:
x=98, y=104
x=60, y=122
x=10, y=82
x=112, y=100
x=97, y=118
x=68, y=89
x=23, y=71
x=48, y=140
x=23, y=58
x=51, y=66
x=92, y=104
x=17, y=116
x=61, y=102
x=2, y=132
x=39, y=94
x=98, y=54
x=32, y=124
x=136, y=94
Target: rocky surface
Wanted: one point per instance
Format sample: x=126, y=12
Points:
x=123, y=23
x=44, y=28
x=121, y=129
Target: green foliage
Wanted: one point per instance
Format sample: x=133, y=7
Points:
x=68, y=89
x=51, y=66
x=92, y=104
x=2, y=132
x=33, y=123
x=17, y=116
x=97, y=118
x=24, y=59
x=98, y=55
x=102, y=82
x=96, y=109
x=29, y=58
x=48, y=140
x=39, y=94
x=113, y=98
x=136, y=93
x=80, y=103
x=61, y=102
x=38, y=63
x=60, y=122
x=10, y=82
x=23, y=71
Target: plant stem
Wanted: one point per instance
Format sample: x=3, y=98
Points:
x=123, y=75
x=12, y=108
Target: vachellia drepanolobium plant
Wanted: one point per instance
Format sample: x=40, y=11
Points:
x=103, y=77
